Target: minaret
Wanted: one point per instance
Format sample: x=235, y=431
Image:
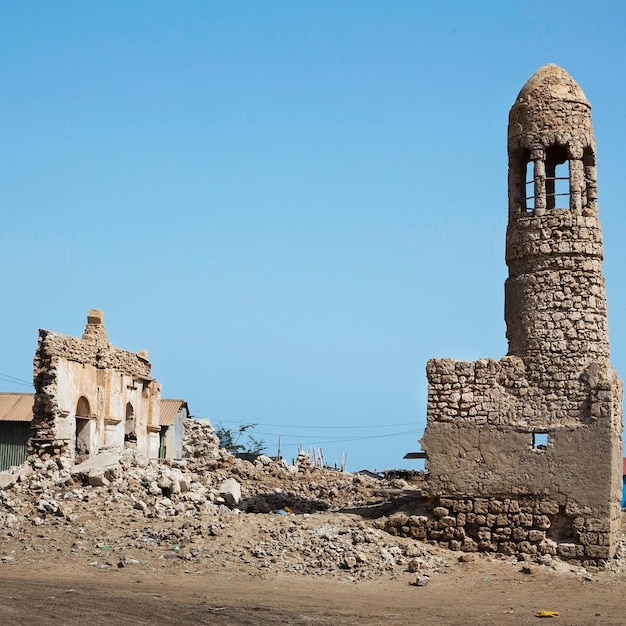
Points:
x=540, y=430
x=555, y=301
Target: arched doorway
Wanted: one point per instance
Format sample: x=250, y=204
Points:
x=130, y=433
x=84, y=430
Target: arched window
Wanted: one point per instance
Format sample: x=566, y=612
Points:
x=129, y=425
x=84, y=429
x=82, y=407
x=524, y=170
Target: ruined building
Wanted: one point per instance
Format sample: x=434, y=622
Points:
x=91, y=397
x=525, y=453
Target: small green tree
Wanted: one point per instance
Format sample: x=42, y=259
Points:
x=231, y=439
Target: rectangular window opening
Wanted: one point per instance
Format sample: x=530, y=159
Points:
x=529, y=188
x=561, y=186
x=557, y=178
x=540, y=441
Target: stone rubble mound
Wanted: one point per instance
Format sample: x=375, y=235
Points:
x=208, y=508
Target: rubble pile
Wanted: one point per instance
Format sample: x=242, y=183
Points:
x=201, y=446
x=209, y=509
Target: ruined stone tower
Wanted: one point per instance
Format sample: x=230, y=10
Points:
x=525, y=453
x=555, y=306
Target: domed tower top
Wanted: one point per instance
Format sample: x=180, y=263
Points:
x=550, y=130
x=551, y=82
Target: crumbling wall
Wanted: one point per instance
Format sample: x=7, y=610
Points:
x=91, y=396
x=483, y=418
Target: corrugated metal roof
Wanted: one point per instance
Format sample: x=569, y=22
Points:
x=169, y=409
x=16, y=407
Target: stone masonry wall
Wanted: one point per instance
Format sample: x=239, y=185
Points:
x=527, y=527
x=482, y=421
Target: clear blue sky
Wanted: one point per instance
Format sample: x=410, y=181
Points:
x=291, y=205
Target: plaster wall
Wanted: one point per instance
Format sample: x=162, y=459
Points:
x=88, y=379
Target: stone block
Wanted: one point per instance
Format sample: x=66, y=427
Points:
x=502, y=533
x=526, y=519
x=7, y=479
x=463, y=506
x=502, y=519
x=548, y=507
x=417, y=520
x=448, y=533
x=417, y=532
x=604, y=539
x=586, y=538
x=96, y=478
x=481, y=505
x=566, y=550
x=547, y=547
x=496, y=506
x=487, y=546
x=230, y=490
x=513, y=506
x=542, y=522
x=598, y=552
x=525, y=547
x=469, y=545
x=102, y=462
x=597, y=525
x=519, y=534
x=507, y=547
x=397, y=519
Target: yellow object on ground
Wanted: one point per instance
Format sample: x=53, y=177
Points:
x=547, y=614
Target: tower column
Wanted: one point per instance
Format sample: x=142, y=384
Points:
x=540, y=184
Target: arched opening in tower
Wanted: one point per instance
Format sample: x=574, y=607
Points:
x=529, y=191
x=557, y=178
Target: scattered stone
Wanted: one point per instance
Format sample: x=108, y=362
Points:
x=230, y=490
x=467, y=558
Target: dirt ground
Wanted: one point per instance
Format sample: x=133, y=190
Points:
x=486, y=591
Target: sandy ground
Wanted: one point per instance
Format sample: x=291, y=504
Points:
x=486, y=591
